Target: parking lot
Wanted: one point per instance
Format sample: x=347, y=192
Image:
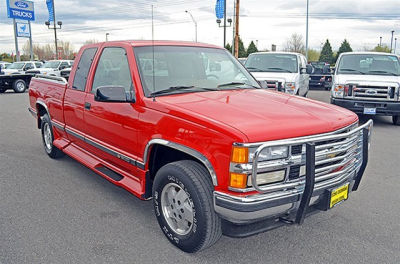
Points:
x=58, y=211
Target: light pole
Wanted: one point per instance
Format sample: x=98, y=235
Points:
x=59, y=23
x=225, y=20
x=380, y=41
x=307, y=32
x=195, y=24
x=395, y=43
x=391, y=42
x=107, y=34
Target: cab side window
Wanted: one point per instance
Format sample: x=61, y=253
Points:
x=113, y=70
x=83, y=69
x=29, y=66
x=63, y=65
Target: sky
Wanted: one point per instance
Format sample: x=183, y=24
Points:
x=265, y=22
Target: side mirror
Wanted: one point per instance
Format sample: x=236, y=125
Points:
x=309, y=69
x=333, y=69
x=114, y=94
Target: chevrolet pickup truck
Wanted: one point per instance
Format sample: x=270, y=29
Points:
x=368, y=83
x=188, y=126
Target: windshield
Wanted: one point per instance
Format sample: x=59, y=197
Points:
x=271, y=62
x=371, y=64
x=16, y=66
x=190, y=69
x=51, y=64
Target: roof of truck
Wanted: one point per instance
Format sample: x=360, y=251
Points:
x=138, y=43
x=368, y=53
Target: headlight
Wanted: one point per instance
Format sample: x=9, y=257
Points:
x=268, y=177
x=338, y=90
x=271, y=153
x=290, y=87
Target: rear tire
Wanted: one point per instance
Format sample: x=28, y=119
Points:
x=396, y=120
x=183, y=204
x=48, y=138
x=3, y=91
x=19, y=86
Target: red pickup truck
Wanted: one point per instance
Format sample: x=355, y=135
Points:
x=188, y=126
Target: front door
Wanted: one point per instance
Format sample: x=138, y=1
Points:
x=112, y=128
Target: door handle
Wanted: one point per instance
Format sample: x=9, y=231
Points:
x=87, y=106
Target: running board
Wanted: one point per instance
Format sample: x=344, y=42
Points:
x=109, y=173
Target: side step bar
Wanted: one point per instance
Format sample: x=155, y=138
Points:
x=110, y=173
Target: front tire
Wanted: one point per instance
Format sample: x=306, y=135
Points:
x=396, y=120
x=183, y=204
x=19, y=86
x=48, y=138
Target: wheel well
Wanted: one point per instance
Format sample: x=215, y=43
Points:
x=41, y=112
x=159, y=156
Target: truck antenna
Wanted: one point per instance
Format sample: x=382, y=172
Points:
x=152, y=40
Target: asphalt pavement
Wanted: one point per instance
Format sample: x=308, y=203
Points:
x=58, y=211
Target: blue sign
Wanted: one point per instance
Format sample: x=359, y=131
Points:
x=219, y=9
x=21, y=9
x=23, y=30
x=50, y=7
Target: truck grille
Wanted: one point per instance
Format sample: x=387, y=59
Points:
x=373, y=92
x=271, y=84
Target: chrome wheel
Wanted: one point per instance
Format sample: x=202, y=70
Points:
x=20, y=86
x=47, y=136
x=177, y=209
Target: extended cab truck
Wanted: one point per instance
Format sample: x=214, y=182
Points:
x=287, y=72
x=187, y=125
x=52, y=68
x=368, y=83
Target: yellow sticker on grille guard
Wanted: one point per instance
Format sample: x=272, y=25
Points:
x=339, y=194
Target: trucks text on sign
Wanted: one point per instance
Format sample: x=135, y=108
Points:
x=21, y=9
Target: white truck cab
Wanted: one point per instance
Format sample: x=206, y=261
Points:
x=284, y=71
x=368, y=83
x=21, y=67
x=53, y=67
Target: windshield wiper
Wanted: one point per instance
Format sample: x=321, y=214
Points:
x=254, y=69
x=384, y=72
x=179, y=88
x=236, y=84
x=352, y=70
x=278, y=69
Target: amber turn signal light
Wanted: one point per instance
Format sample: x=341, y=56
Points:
x=238, y=180
x=240, y=155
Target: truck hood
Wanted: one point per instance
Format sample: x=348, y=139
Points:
x=10, y=71
x=275, y=76
x=365, y=79
x=261, y=115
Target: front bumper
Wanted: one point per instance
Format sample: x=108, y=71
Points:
x=382, y=107
x=292, y=203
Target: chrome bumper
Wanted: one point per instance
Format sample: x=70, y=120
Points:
x=293, y=199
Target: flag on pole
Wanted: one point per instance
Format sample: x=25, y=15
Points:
x=50, y=7
x=219, y=9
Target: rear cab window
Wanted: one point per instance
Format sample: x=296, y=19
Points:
x=84, y=65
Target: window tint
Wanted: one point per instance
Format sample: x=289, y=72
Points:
x=83, y=69
x=29, y=66
x=64, y=65
x=113, y=70
x=38, y=65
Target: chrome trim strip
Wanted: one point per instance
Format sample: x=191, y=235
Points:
x=60, y=127
x=49, y=78
x=105, y=149
x=187, y=150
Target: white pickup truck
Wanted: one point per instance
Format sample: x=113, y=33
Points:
x=52, y=68
x=283, y=71
x=368, y=83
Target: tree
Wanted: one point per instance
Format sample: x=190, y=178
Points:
x=252, y=48
x=242, y=50
x=228, y=47
x=326, y=53
x=313, y=55
x=381, y=49
x=345, y=47
x=295, y=44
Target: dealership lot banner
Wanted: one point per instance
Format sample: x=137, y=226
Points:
x=21, y=9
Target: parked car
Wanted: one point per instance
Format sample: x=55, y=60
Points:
x=22, y=67
x=194, y=131
x=3, y=65
x=321, y=75
x=52, y=68
x=66, y=72
x=368, y=83
x=283, y=71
